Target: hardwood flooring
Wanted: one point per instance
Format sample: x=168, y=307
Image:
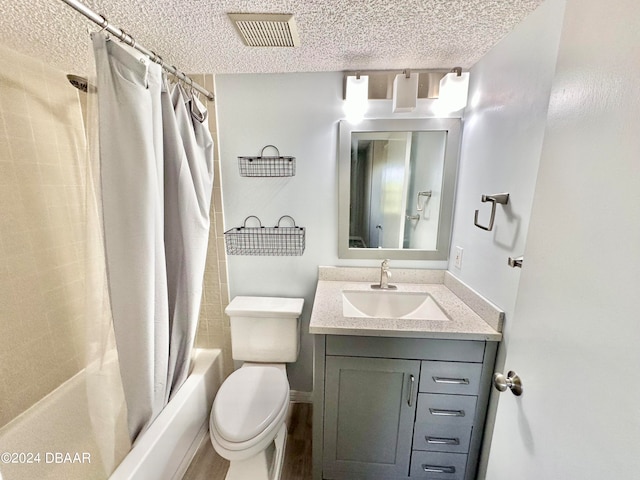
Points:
x=208, y=465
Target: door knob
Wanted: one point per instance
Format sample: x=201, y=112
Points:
x=511, y=381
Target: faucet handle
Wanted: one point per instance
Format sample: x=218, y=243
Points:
x=385, y=268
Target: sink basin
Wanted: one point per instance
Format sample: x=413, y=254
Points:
x=390, y=304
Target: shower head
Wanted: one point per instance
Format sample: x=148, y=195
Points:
x=79, y=82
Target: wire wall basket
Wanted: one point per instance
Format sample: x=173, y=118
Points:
x=266, y=241
x=267, y=166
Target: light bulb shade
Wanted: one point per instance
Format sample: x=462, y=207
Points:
x=405, y=92
x=356, y=97
x=454, y=90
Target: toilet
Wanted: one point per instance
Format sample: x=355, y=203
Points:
x=247, y=422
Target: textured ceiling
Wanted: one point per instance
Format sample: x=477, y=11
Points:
x=197, y=36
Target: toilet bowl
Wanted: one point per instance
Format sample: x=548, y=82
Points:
x=247, y=422
x=249, y=410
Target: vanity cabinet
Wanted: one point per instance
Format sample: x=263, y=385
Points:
x=399, y=408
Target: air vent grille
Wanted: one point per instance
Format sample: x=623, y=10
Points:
x=266, y=30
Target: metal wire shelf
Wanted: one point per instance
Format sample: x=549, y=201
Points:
x=267, y=166
x=265, y=241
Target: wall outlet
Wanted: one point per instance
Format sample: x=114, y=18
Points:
x=457, y=260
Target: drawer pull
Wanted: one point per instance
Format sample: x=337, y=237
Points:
x=438, y=469
x=451, y=381
x=442, y=441
x=446, y=413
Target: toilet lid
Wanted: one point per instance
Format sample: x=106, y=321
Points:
x=248, y=401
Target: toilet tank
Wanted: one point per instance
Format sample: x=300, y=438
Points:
x=265, y=329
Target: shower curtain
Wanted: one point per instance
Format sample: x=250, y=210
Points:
x=156, y=167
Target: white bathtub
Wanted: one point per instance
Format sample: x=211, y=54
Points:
x=60, y=424
x=164, y=451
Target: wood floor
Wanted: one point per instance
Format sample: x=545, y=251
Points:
x=208, y=465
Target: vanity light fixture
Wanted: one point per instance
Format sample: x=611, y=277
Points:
x=405, y=92
x=356, y=97
x=454, y=90
x=448, y=90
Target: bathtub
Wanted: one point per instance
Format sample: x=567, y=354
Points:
x=165, y=449
x=60, y=424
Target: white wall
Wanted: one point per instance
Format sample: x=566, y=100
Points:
x=298, y=113
x=501, y=143
x=427, y=161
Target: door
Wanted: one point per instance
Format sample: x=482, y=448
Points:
x=575, y=334
x=369, y=410
x=389, y=171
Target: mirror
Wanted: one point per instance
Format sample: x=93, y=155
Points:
x=396, y=188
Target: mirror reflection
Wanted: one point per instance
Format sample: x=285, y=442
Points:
x=397, y=181
x=396, y=186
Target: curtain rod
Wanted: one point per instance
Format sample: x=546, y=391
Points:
x=129, y=40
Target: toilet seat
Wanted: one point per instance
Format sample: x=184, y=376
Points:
x=248, y=410
x=248, y=402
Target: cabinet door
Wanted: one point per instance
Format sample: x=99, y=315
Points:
x=369, y=412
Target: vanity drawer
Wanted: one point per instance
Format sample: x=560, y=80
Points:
x=446, y=409
x=438, y=466
x=450, y=377
x=436, y=437
x=409, y=348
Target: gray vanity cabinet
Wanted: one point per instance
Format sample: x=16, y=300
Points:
x=399, y=408
x=369, y=416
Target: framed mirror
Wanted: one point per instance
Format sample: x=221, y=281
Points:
x=397, y=187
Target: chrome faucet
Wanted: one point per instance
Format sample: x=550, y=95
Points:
x=385, y=275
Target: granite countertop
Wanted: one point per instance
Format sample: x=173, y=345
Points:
x=463, y=324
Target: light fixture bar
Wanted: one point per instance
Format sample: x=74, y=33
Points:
x=381, y=81
x=443, y=71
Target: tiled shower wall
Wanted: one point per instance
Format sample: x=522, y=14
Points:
x=42, y=148
x=213, y=329
x=42, y=144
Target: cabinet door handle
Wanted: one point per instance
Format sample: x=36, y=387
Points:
x=442, y=441
x=438, y=469
x=412, y=383
x=446, y=413
x=451, y=381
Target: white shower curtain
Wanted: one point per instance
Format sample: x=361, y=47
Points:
x=156, y=171
x=188, y=182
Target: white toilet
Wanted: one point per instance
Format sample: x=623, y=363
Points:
x=247, y=418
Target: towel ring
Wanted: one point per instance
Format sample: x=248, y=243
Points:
x=501, y=198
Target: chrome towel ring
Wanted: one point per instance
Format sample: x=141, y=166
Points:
x=502, y=198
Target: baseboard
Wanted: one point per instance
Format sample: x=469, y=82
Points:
x=300, y=397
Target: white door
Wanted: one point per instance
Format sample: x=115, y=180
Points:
x=575, y=335
x=388, y=196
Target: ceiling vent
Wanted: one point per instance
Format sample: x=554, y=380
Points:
x=266, y=29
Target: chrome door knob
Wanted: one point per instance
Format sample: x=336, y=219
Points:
x=511, y=381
